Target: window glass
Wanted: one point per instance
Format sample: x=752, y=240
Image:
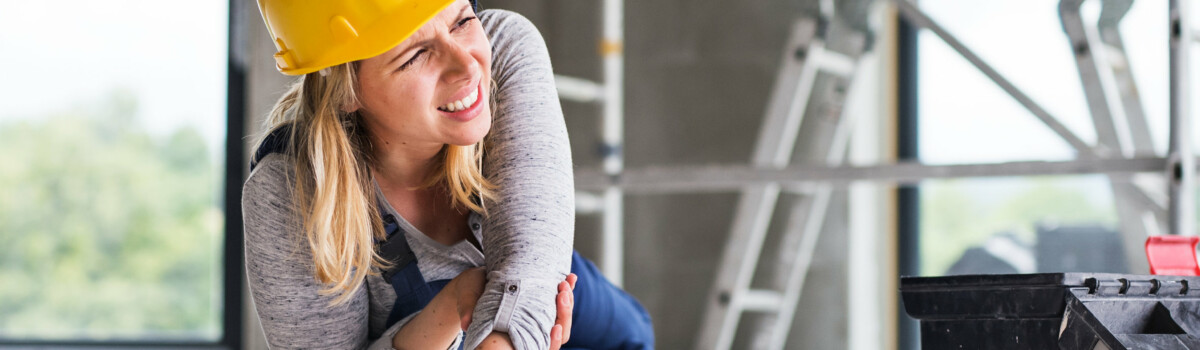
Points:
x=112, y=132
x=1025, y=224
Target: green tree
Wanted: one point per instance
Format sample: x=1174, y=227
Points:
x=107, y=231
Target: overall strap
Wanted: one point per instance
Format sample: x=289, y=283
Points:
x=412, y=292
x=278, y=141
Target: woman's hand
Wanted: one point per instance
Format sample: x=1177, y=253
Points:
x=559, y=334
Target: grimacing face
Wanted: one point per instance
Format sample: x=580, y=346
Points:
x=431, y=89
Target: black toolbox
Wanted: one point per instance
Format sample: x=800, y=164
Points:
x=1055, y=311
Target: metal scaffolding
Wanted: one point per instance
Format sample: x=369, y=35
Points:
x=610, y=95
x=1123, y=151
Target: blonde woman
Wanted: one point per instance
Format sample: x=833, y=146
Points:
x=371, y=206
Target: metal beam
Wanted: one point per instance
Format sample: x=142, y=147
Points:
x=718, y=178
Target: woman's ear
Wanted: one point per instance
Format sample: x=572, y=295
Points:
x=351, y=104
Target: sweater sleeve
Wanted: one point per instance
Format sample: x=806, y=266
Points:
x=279, y=267
x=530, y=229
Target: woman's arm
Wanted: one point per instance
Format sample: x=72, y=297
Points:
x=436, y=326
x=530, y=228
x=279, y=267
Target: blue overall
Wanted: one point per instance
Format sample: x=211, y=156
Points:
x=604, y=317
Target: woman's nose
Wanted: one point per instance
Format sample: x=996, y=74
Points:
x=460, y=63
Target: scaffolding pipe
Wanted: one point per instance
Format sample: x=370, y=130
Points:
x=1181, y=167
x=613, y=128
x=719, y=178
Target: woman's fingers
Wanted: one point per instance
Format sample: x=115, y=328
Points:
x=556, y=340
x=561, y=332
x=566, y=304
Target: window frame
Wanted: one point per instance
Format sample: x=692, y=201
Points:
x=908, y=197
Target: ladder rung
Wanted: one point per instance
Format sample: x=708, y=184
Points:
x=835, y=63
x=588, y=203
x=761, y=301
x=578, y=89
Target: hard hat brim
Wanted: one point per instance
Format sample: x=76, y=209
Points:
x=384, y=34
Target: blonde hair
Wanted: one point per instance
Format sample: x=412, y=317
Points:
x=334, y=192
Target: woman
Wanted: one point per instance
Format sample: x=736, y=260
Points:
x=377, y=150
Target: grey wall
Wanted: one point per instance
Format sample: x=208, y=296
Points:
x=698, y=75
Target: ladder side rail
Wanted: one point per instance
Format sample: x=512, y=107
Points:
x=809, y=231
x=1109, y=31
x=1089, y=60
x=738, y=261
x=1112, y=126
x=803, y=229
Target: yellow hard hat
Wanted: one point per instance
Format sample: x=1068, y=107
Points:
x=315, y=34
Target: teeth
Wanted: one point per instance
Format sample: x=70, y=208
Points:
x=461, y=104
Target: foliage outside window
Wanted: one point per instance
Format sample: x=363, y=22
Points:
x=112, y=127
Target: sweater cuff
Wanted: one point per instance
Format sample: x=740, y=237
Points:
x=523, y=308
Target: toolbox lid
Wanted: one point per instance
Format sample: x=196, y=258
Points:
x=1040, y=295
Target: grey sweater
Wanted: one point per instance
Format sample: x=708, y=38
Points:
x=526, y=238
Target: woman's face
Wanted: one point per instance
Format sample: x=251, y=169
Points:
x=431, y=89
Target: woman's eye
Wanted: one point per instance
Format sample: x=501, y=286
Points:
x=413, y=59
x=464, y=21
